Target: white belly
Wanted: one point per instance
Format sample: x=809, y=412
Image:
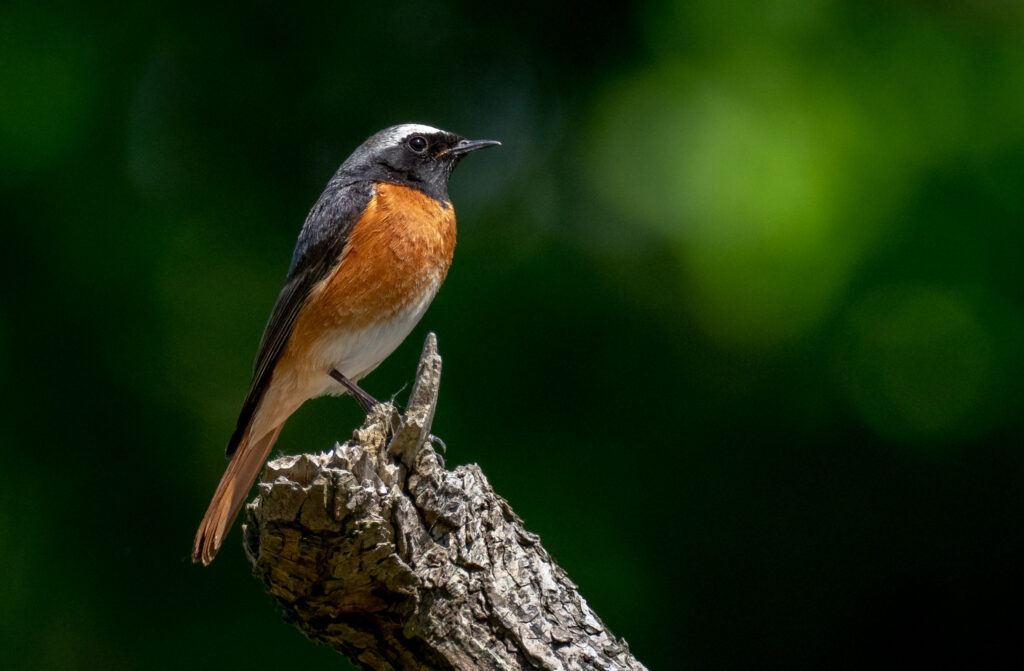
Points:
x=355, y=353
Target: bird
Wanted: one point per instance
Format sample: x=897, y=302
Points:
x=370, y=257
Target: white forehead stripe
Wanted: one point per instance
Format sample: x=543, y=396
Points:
x=399, y=133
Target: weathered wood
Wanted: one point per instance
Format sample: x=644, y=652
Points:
x=378, y=550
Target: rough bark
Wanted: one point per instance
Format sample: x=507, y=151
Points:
x=378, y=550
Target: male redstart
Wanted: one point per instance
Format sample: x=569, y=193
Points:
x=369, y=260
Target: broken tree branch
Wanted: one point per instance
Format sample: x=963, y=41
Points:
x=378, y=550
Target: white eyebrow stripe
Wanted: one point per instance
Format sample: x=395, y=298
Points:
x=399, y=133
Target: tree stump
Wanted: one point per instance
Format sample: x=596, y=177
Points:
x=378, y=550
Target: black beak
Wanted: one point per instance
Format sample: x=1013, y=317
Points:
x=466, y=146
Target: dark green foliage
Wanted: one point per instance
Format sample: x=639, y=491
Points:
x=753, y=266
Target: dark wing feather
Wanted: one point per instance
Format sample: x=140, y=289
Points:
x=317, y=251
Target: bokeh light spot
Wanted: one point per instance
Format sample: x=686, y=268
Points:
x=749, y=176
x=916, y=363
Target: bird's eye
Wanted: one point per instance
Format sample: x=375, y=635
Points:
x=418, y=144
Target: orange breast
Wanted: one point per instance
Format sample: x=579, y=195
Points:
x=400, y=248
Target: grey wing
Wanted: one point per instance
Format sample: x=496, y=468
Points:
x=320, y=245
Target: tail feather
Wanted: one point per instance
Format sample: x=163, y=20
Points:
x=234, y=486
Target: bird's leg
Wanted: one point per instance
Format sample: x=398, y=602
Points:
x=365, y=401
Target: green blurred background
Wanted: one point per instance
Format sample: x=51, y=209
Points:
x=734, y=322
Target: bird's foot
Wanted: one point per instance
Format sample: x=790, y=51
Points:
x=431, y=438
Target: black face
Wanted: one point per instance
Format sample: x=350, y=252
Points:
x=413, y=155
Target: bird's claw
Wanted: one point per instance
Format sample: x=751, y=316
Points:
x=431, y=438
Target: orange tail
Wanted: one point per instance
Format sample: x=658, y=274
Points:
x=234, y=486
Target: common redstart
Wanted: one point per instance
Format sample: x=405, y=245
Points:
x=369, y=260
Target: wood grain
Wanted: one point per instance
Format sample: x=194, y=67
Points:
x=378, y=550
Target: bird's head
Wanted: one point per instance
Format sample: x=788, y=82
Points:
x=414, y=155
